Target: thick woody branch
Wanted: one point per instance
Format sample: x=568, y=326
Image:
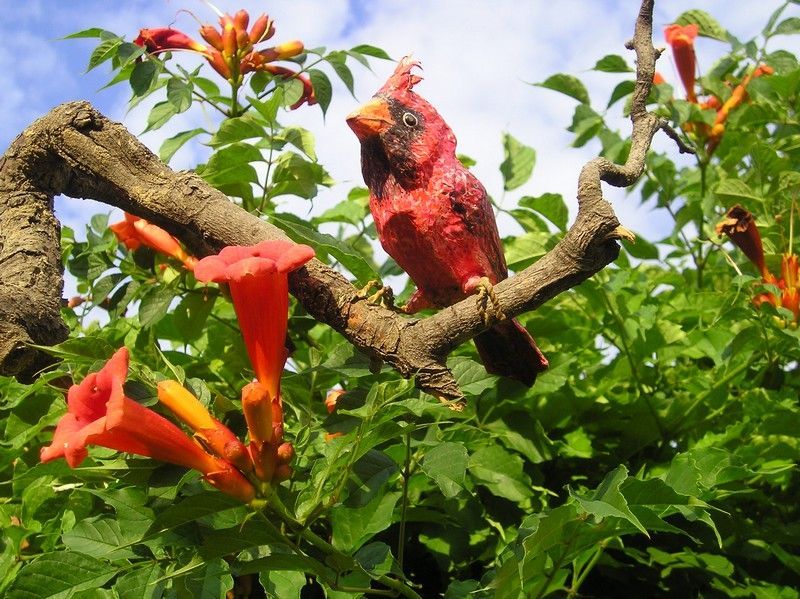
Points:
x=76, y=151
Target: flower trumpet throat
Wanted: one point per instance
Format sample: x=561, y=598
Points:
x=258, y=280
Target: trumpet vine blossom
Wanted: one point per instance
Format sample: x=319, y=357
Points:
x=135, y=232
x=741, y=229
x=99, y=413
x=258, y=279
x=681, y=40
x=231, y=49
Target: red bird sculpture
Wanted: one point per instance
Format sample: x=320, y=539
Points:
x=434, y=217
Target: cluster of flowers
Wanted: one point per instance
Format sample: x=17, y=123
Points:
x=231, y=48
x=739, y=225
x=99, y=413
x=681, y=40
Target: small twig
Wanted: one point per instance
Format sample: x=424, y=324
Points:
x=674, y=136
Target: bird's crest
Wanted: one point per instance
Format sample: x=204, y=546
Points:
x=402, y=80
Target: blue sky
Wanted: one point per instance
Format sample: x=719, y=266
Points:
x=477, y=57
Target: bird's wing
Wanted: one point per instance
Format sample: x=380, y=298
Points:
x=470, y=203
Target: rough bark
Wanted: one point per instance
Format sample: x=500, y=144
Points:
x=76, y=151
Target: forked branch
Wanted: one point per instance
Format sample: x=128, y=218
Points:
x=76, y=151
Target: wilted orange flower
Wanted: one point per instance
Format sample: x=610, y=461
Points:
x=740, y=227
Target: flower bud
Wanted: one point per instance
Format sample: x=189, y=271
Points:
x=285, y=453
x=212, y=36
x=262, y=29
x=241, y=19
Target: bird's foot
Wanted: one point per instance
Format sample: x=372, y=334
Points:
x=383, y=296
x=486, y=295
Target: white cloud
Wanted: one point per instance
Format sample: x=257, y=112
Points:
x=477, y=58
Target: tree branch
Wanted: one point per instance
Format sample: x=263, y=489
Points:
x=76, y=151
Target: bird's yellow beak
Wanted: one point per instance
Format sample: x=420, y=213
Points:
x=372, y=118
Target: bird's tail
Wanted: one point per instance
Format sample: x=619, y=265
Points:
x=508, y=349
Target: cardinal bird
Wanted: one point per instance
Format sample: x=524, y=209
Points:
x=434, y=217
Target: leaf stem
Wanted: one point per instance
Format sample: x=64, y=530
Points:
x=401, y=536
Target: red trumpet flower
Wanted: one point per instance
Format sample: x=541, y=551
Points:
x=100, y=414
x=258, y=280
x=681, y=38
x=135, y=232
x=165, y=39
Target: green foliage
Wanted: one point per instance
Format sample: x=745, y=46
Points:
x=656, y=457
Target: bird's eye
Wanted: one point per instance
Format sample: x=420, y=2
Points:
x=409, y=120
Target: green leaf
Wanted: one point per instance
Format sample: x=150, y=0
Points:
x=100, y=537
x=607, y=500
x=352, y=527
x=302, y=139
x=641, y=248
x=128, y=53
x=788, y=26
x=733, y=191
x=193, y=508
x=549, y=205
x=446, y=464
x=568, y=85
x=231, y=165
x=211, y=580
x=142, y=76
x=159, y=116
x=708, y=25
x=142, y=583
x=179, y=94
x=106, y=50
x=323, y=90
x=236, y=129
x=269, y=108
x=191, y=315
x=623, y=88
x=471, y=376
x=155, y=304
x=500, y=472
x=518, y=164
x=350, y=259
x=292, y=91
x=92, y=32
x=370, y=51
x=375, y=557
x=337, y=62
x=612, y=63
x=59, y=575
x=171, y=145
